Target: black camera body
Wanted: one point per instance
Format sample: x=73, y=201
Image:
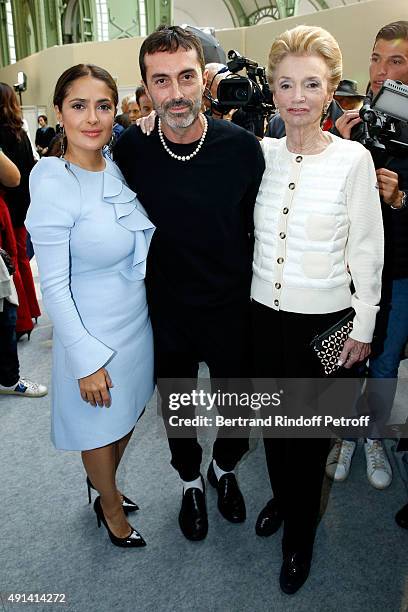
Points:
x=250, y=94
x=384, y=126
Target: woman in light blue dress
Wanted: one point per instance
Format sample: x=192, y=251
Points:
x=91, y=237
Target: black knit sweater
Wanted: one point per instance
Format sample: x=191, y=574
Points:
x=201, y=252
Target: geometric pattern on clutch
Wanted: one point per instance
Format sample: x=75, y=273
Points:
x=330, y=343
x=330, y=348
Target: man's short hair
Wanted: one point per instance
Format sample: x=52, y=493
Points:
x=169, y=39
x=44, y=117
x=393, y=31
x=140, y=91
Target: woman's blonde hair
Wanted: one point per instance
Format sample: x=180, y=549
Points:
x=307, y=40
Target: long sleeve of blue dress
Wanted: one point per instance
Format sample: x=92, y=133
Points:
x=54, y=210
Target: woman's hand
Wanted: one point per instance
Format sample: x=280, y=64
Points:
x=353, y=352
x=95, y=388
x=146, y=124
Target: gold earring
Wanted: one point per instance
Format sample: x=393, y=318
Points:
x=63, y=142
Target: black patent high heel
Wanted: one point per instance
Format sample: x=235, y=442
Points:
x=127, y=504
x=133, y=540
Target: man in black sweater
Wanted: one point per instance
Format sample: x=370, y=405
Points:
x=197, y=179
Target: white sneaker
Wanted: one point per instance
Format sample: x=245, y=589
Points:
x=25, y=387
x=339, y=459
x=379, y=471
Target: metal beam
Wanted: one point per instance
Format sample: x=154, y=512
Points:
x=40, y=24
x=4, y=43
x=53, y=10
x=287, y=8
x=20, y=33
x=159, y=12
x=274, y=9
x=322, y=4
x=236, y=10
x=87, y=12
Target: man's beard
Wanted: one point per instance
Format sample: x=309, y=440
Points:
x=182, y=120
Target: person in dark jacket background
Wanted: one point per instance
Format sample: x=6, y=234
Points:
x=43, y=135
x=16, y=145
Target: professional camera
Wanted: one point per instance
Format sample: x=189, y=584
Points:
x=384, y=129
x=250, y=94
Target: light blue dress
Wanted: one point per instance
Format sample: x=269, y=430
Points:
x=91, y=237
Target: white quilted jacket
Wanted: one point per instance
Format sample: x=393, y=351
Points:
x=318, y=224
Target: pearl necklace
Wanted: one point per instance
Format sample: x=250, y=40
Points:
x=184, y=157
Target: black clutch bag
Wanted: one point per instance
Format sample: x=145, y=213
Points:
x=329, y=344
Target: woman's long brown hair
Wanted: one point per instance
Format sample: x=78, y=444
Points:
x=11, y=116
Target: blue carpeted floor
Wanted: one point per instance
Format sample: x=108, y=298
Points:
x=50, y=542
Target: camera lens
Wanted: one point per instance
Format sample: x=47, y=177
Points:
x=241, y=94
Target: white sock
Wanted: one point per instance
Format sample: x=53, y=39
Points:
x=190, y=484
x=371, y=441
x=10, y=388
x=218, y=471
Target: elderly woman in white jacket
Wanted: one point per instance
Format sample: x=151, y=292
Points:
x=318, y=226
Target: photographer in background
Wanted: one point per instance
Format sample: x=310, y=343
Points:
x=389, y=60
x=216, y=73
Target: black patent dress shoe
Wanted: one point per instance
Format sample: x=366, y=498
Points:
x=294, y=571
x=193, y=519
x=269, y=520
x=132, y=540
x=231, y=504
x=127, y=504
x=402, y=517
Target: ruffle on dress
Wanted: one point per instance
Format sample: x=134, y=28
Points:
x=131, y=215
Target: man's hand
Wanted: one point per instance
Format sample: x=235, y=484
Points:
x=146, y=124
x=95, y=388
x=353, y=352
x=388, y=187
x=346, y=122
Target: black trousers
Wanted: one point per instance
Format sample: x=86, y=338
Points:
x=182, y=339
x=296, y=467
x=9, y=364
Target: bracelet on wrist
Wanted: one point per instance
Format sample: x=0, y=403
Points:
x=404, y=202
